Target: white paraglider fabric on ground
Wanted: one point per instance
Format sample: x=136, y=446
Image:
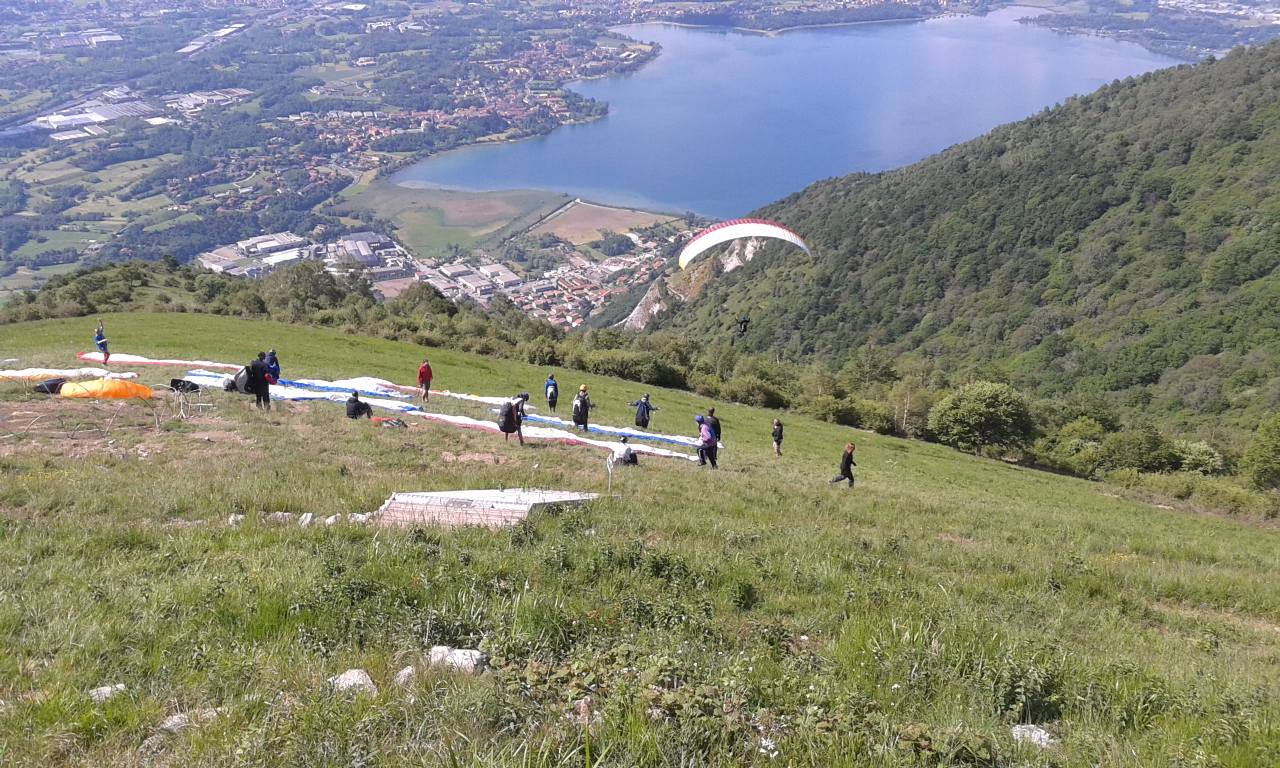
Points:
x=328, y=390
x=124, y=357
x=70, y=374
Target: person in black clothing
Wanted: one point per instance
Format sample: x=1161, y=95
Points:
x=714, y=423
x=644, y=411
x=258, y=384
x=357, y=409
x=777, y=437
x=846, y=466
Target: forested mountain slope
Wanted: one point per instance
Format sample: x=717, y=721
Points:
x=1124, y=243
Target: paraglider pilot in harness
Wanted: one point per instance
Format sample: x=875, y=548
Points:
x=511, y=416
x=100, y=341
x=358, y=409
x=644, y=411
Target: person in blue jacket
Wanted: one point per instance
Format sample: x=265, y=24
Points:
x=644, y=410
x=273, y=365
x=100, y=341
x=552, y=391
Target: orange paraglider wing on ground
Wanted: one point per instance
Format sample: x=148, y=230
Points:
x=114, y=389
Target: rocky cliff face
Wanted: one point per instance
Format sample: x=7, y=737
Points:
x=681, y=286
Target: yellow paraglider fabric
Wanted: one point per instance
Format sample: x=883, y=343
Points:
x=114, y=389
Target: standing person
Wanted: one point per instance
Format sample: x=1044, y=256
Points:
x=552, y=390
x=273, y=366
x=356, y=409
x=582, y=408
x=707, y=444
x=258, y=383
x=714, y=423
x=644, y=410
x=100, y=341
x=846, y=466
x=511, y=417
x=777, y=437
x=424, y=379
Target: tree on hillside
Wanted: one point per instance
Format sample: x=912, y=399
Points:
x=980, y=415
x=1262, y=458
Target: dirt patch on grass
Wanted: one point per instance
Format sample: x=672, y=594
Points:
x=470, y=457
x=955, y=538
x=1250, y=623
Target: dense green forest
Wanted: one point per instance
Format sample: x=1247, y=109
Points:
x=1121, y=246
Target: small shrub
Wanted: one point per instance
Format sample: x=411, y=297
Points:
x=1262, y=459
x=982, y=414
x=743, y=595
x=1199, y=457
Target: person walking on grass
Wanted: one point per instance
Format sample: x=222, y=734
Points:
x=511, y=417
x=644, y=411
x=552, y=390
x=846, y=466
x=273, y=366
x=707, y=443
x=714, y=423
x=357, y=408
x=582, y=408
x=777, y=437
x=100, y=341
x=258, y=383
x=424, y=379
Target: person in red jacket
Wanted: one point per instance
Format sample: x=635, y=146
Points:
x=424, y=379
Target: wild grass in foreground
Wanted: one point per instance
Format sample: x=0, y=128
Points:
x=714, y=618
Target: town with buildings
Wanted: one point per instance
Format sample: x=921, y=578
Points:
x=565, y=296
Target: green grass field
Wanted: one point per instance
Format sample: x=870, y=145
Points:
x=428, y=221
x=713, y=616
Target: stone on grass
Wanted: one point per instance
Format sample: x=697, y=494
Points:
x=459, y=659
x=283, y=518
x=357, y=518
x=355, y=680
x=305, y=520
x=332, y=519
x=584, y=712
x=175, y=724
x=1026, y=733
x=405, y=676
x=102, y=693
x=235, y=519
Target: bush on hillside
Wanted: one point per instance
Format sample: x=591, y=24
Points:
x=752, y=390
x=644, y=367
x=980, y=415
x=875, y=416
x=1143, y=449
x=1199, y=457
x=829, y=408
x=1262, y=458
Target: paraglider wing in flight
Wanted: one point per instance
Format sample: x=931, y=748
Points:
x=734, y=230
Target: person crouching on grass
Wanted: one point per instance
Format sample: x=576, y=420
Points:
x=846, y=466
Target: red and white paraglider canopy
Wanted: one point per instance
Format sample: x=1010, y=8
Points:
x=734, y=230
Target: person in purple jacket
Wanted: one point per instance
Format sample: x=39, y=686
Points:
x=707, y=443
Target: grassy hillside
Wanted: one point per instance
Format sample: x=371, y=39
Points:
x=711, y=615
x=1123, y=243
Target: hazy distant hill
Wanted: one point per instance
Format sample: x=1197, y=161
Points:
x=1125, y=242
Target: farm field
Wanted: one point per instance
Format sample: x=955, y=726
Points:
x=429, y=221
x=584, y=222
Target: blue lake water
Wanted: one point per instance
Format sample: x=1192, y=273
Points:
x=724, y=122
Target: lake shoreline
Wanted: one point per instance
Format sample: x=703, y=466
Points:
x=678, y=132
